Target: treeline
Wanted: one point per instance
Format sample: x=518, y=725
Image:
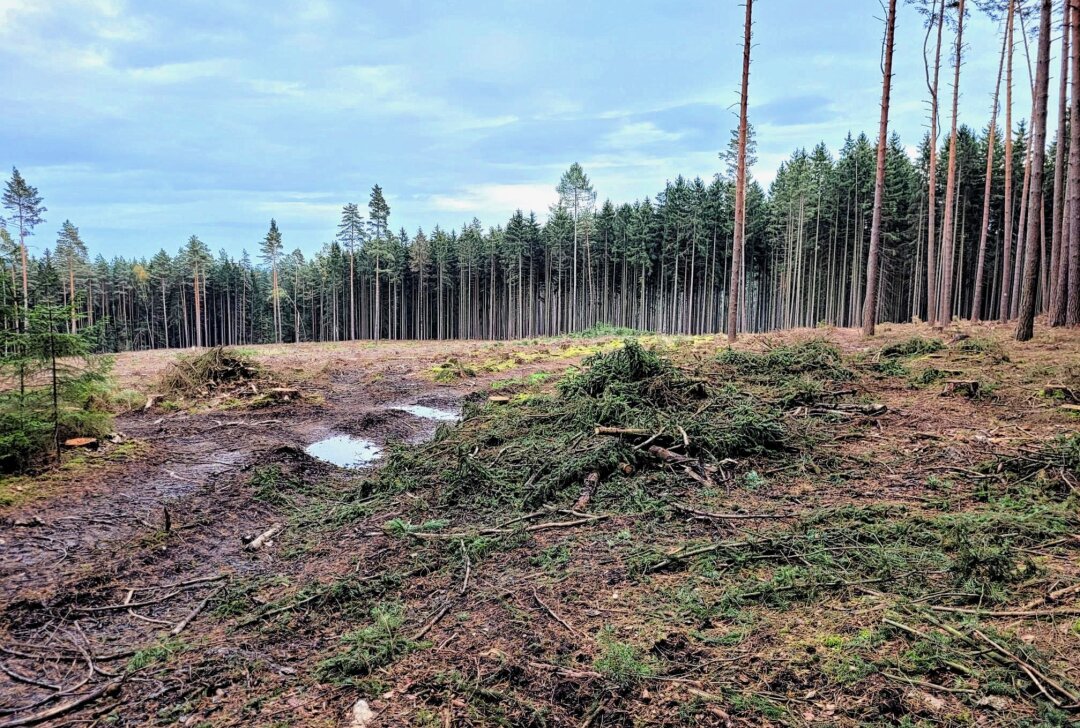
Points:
x=980, y=224
x=659, y=264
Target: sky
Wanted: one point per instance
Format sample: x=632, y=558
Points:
x=144, y=121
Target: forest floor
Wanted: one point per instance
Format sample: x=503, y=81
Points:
x=813, y=529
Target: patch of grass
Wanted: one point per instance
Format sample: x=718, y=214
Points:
x=369, y=648
x=601, y=330
x=621, y=663
x=552, y=558
x=987, y=348
x=815, y=357
x=928, y=377
x=160, y=652
x=451, y=370
x=528, y=381
x=915, y=346
x=400, y=527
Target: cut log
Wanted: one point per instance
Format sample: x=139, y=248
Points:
x=283, y=394
x=261, y=540
x=90, y=443
x=870, y=410
x=498, y=399
x=617, y=431
x=1071, y=408
x=667, y=455
x=592, y=482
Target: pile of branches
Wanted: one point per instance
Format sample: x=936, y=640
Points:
x=1056, y=462
x=629, y=420
x=208, y=372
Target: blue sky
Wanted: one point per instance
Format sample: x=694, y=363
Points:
x=147, y=121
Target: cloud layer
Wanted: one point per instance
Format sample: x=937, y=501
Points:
x=147, y=122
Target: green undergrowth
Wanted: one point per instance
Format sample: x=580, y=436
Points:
x=538, y=450
x=601, y=330
x=978, y=555
x=379, y=643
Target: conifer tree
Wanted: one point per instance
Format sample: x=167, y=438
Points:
x=24, y=205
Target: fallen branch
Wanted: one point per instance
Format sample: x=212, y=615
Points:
x=555, y=616
x=195, y=612
x=260, y=540
x=433, y=621
x=468, y=567
x=27, y=680
x=63, y=708
x=1009, y=612
x=1036, y=677
x=126, y=605
x=729, y=516
x=565, y=524
x=1054, y=596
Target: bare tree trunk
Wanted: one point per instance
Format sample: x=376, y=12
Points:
x=1072, y=306
x=1059, y=239
x=1005, y=299
x=984, y=230
x=945, y=303
x=870, y=303
x=740, y=186
x=931, y=240
x=1026, y=325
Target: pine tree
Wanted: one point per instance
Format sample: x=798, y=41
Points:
x=1025, y=327
x=71, y=250
x=271, y=253
x=740, y=184
x=351, y=236
x=24, y=204
x=870, y=305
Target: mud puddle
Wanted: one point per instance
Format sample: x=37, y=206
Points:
x=345, y=451
x=429, y=413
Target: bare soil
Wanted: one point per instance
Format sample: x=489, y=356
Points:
x=130, y=595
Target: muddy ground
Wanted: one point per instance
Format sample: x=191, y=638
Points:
x=132, y=595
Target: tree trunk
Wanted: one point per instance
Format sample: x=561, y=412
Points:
x=871, y=301
x=931, y=240
x=945, y=303
x=984, y=230
x=1005, y=299
x=1026, y=325
x=740, y=186
x=1057, y=301
x=1072, y=306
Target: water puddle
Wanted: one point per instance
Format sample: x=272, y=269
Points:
x=430, y=413
x=344, y=451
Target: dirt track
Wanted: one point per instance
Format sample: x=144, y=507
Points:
x=102, y=530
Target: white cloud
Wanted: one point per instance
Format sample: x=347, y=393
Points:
x=497, y=201
x=168, y=73
x=272, y=87
x=640, y=133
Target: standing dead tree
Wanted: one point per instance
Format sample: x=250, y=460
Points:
x=738, y=240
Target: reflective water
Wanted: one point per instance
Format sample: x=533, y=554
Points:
x=430, y=413
x=344, y=451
